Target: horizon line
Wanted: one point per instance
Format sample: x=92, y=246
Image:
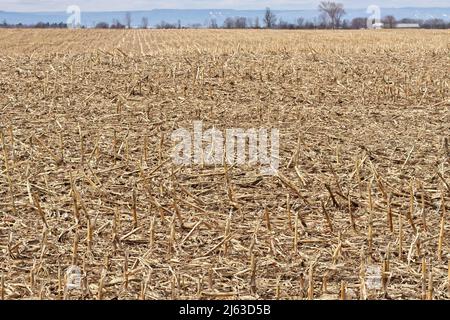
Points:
x=212, y=9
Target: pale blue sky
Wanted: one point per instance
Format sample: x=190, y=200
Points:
x=122, y=5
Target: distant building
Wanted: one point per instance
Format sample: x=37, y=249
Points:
x=407, y=25
x=378, y=25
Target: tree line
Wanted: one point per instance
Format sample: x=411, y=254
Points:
x=331, y=17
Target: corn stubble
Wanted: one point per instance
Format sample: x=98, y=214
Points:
x=86, y=177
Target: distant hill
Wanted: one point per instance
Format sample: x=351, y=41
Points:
x=190, y=17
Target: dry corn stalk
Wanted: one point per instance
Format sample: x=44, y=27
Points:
x=114, y=117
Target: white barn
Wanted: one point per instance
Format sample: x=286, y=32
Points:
x=407, y=25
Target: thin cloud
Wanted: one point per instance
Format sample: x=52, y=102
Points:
x=120, y=5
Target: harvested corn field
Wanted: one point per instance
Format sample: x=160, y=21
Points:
x=92, y=205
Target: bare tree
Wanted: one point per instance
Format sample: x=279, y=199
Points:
x=333, y=11
x=323, y=21
x=144, y=23
x=213, y=24
x=166, y=25
x=117, y=25
x=128, y=20
x=102, y=25
x=241, y=22
x=235, y=23
x=359, y=23
x=228, y=23
x=257, y=26
x=434, y=23
x=300, y=22
x=270, y=19
x=389, y=22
